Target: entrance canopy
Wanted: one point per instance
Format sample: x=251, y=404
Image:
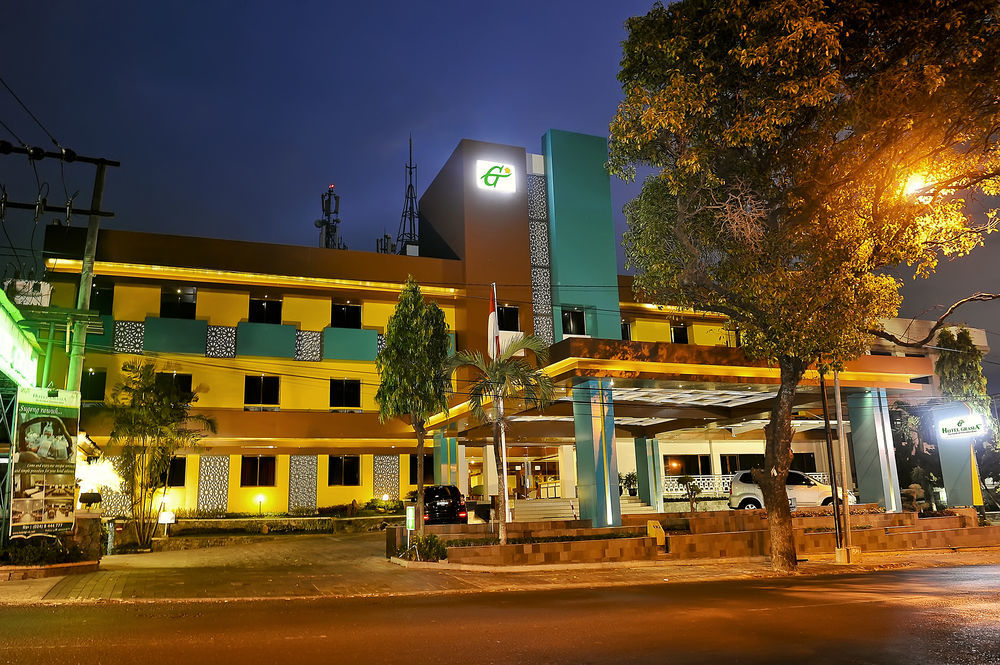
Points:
x=660, y=387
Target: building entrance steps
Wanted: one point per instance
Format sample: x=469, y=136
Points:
x=633, y=505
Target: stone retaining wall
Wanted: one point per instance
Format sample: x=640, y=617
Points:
x=577, y=551
x=8, y=573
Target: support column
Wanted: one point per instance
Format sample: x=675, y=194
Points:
x=489, y=471
x=649, y=468
x=960, y=472
x=567, y=472
x=463, y=468
x=596, y=465
x=874, y=453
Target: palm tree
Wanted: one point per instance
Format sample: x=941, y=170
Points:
x=506, y=377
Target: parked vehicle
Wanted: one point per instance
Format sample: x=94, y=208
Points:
x=444, y=504
x=802, y=490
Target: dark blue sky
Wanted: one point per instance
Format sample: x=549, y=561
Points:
x=231, y=118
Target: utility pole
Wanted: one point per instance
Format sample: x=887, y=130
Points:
x=838, y=534
x=74, y=374
x=78, y=327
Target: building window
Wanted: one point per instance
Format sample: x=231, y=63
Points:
x=880, y=352
x=178, y=302
x=428, y=469
x=93, y=384
x=179, y=382
x=174, y=475
x=102, y=298
x=345, y=393
x=804, y=462
x=265, y=311
x=345, y=316
x=260, y=390
x=733, y=463
x=689, y=465
x=344, y=470
x=679, y=334
x=507, y=318
x=574, y=322
x=626, y=331
x=257, y=471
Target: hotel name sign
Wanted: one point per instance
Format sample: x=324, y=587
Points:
x=961, y=427
x=495, y=176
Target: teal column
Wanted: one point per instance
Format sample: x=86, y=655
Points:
x=440, y=458
x=452, y=443
x=874, y=452
x=649, y=468
x=596, y=464
x=960, y=477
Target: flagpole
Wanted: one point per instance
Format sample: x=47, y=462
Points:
x=495, y=352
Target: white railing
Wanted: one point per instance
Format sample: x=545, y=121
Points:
x=716, y=484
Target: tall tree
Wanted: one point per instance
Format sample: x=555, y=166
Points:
x=413, y=371
x=151, y=420
x=497, y=381
x=960, y=370
x=800, y=149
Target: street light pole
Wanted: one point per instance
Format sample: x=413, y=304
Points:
x=838, y=534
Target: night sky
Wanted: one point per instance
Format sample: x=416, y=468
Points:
x=230, y=119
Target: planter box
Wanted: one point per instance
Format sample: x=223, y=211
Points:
x=577, y=551
x=55, y=570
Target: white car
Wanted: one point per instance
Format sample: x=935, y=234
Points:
x=802, y=490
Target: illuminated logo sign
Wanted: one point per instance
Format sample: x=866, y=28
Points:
x=954, y=428
x=496, y=176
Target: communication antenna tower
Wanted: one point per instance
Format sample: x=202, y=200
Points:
x=407, y=241
x=329, y=235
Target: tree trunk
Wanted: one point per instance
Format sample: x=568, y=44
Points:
x=501, y=485
x=418, y=427
x=777, y=461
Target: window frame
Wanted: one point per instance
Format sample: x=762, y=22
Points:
x=272, y=470
x=267, y=307
x=342, y=474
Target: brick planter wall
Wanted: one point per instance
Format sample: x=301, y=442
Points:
x=55, y=570
x=578, y=551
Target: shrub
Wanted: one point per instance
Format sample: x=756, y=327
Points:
x=425, y=548
x=39, y=551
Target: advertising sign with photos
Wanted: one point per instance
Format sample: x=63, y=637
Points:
x=44, y=453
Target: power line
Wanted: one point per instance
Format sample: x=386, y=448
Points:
x=30, y=114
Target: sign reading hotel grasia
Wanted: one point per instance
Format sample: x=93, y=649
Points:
x=44, y=460
x=496, y=176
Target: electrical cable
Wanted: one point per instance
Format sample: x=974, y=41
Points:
x=30, y=114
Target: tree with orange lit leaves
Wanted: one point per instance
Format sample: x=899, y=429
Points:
x=800, y=149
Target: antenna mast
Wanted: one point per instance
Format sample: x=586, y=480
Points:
x=329, y=235
x=407, y=241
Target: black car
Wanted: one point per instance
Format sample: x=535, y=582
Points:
x=444, y=504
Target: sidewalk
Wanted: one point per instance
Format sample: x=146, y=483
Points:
x=353, y=565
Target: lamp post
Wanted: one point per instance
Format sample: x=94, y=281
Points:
x=260, y=505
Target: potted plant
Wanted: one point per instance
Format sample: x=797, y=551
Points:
x=631, y=483
x=621, y=484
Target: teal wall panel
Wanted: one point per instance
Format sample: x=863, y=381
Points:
x=174, y=335
x=271, y=340
x=349, y=344
x=581, y=231
x=102, y=343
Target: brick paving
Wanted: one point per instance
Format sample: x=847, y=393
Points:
x=348, y=565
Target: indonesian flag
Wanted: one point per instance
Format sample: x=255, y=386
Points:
x=493, y=326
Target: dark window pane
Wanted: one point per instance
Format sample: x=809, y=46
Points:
x=573, y=322
x=265, y=311
x=177, y=471
x=626, y=331
x=178, y=302
x=265, y=473
x=248, y=471
x=102, y=298
x=251, y=390
x=679, y=334
x=335, y=470
x=180, y=382
x=345, y=393
x=507, y=318
x=92, y=385
x=352, y=470
x=345, y=316
x=269, y=390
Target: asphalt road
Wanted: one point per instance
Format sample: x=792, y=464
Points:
x=925, y=617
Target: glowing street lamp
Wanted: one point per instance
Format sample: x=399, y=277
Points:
x=260, y=504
